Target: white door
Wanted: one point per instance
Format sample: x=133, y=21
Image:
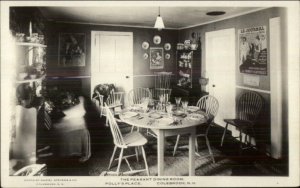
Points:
x=220, y=69
x=112, y=59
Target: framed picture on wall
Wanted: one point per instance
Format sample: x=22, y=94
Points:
x=253, y=53
x=156, y=58
x=71, y=50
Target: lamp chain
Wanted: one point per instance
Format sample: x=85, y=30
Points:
x=158, y=11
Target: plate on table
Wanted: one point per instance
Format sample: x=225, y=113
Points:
x=165, y=121
x=178, y=112
x=195, y=116
x=193, y=108
x=129, y=114
x=155, y=115
x=135, y=108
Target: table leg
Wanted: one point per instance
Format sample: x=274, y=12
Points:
x=160, y=151
x=192, y=153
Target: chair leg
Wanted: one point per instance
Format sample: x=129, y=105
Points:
x=254, y=136
x=223, y=136
x=132, y=127
x=137, y=153
x=176, y=145
x=209, y=149
x=106, y=122
x=120, y=160
x=112, y=157
x=196, y=143
x=145, y=160
x=241, y=142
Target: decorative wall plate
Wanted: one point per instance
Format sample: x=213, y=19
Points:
x=145, y=45
x=167, y=56
x=167, y=46
x=145, y=56
x=156, y=39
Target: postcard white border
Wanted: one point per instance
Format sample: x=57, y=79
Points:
x=200, y=181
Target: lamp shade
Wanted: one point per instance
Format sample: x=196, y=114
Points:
x=159, y=23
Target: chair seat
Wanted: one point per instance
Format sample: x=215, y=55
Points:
x=242, y=124
x=134, y=139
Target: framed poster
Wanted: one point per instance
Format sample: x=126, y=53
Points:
x=71, y=50
x=253, y=50
x=156, y=58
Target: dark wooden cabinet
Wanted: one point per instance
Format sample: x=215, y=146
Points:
x=192, y=95
x=188, y=68
x=188, y=72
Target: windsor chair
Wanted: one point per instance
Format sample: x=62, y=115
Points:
x=162, y=79
x=132, y=139
x=210, y=105
x=248, y=108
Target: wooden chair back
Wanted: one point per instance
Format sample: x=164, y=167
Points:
x=137, y=95
x=210, y=105
x=98, y=99
x=249, y=106
x=162, y=79
x=116, y=133
x=157, y=92
x=32, y=170
x=115, y=98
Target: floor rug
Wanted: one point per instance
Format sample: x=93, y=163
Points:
x=174, y=166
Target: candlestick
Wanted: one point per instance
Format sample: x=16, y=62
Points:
x=30, y=29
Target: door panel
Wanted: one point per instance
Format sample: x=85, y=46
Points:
x=220, y=67
x=106, y=54
x=112, y=59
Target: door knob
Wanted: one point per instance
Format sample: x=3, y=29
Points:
x=214, y=85
x=127, y=76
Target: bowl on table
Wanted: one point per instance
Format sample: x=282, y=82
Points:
x=178, y=112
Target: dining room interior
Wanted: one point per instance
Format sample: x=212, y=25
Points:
x=150, y=90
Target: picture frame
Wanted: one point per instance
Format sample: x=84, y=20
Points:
x=253, y=50
x=156, y=58
x=72, y=50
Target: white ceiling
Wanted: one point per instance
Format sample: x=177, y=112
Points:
x=174, y=17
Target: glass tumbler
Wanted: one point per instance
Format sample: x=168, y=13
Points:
x=184, y=106
x=177, y=99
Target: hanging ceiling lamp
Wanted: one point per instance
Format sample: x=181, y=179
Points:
x=159, y=23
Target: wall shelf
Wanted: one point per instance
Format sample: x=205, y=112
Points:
x=31, y=44
x=30, y=80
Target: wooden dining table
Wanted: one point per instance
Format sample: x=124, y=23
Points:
x=165, y=125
